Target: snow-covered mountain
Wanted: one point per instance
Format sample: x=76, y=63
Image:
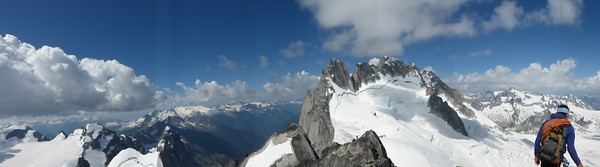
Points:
x=55, y=124
x=182, y=136
x=524, y=111
x=131, y=157
x=215, y=135
x=418, y=119
x=92, y=145
x=13, y=134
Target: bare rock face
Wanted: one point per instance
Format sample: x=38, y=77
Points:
x=454, y=96
x=300, y=144
x=22, y=133
x=365, y=73
x=338, y=73
x=365, y=151
x=173, y=151
x=314, y=116
x=441, y=109
x=96, y=137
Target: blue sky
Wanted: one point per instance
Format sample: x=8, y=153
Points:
x=184, y=41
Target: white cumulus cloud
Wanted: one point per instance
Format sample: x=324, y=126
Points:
x=47, y=80
x=566, y=12
x=291, y=86
x=557, y=78
x=288, y=87
x=294, y=49
x=507, y=15
x=213, y=93
x=383, y=27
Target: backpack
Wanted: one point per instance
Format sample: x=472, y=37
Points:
x=552, y=148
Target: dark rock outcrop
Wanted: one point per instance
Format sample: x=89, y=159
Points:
x=441, y=109
x=338, y=73
x=454, y=96
x=93, y=136
x=365, y=151
x=173, y=151
x=314, y=116
x=21, y=133
x=365, y=73
x=81, y=162
x=300, y=144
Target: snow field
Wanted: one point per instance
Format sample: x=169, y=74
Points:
x=132, y=158
x=52, y=153
x=397, y=111
x=271, y=153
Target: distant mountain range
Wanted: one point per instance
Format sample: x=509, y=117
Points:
x=183, y=136
x=524, y=112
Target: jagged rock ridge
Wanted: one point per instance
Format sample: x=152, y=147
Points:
x=216, y=135
x=97, y=137
x=173, y=151
x=364, y=151
x=315, y=116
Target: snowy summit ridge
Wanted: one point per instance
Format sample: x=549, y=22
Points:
x=341, y=109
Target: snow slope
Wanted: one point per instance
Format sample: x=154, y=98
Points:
x=396, y=108
x=132, y=158
x=271, y=153
x=56, y=152
x=87, y=143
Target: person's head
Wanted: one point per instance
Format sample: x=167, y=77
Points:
x=564, y=109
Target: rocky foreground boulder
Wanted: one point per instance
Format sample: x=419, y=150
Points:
x=364, y=151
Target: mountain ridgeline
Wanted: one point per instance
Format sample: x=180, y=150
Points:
x=312, y=141
x=179, y=137
x=212, y=136
x=524, y=112
x=315, y=110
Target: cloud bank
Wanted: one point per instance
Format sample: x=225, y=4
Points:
x=557, y=78
x=47, y=80
x=291, y=86
x=384, y=27
x=212, y=93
